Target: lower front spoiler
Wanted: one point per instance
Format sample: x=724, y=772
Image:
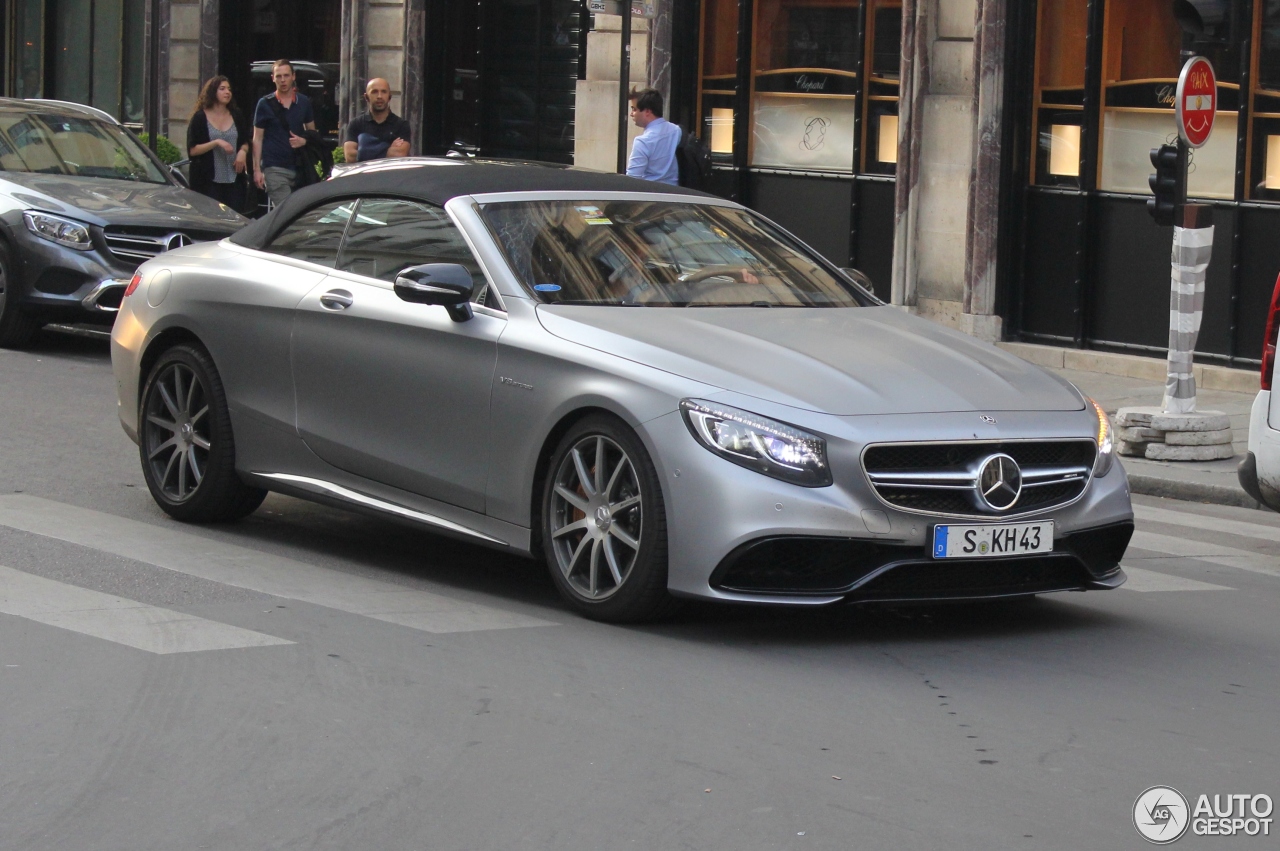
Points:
x=829, y=570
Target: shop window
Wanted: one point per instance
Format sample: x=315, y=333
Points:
x=718, y=76
x=72, y=51
x=1143, y=42
x=90, y=52
x=108, y=54
x=28, y=49
x=884, y=63
x=1061, y=29
x=132, y=84
x=1264, y=136
x=804, y=84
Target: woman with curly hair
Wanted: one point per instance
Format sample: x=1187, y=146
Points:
x=218, y=140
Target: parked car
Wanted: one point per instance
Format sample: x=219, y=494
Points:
x=660, y=393
x=82, y=204
x=1260, y=470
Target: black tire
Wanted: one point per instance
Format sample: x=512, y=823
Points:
x=17, y=326
x=586, y=550
x=185, y=443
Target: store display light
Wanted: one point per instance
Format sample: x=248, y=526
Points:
x=1273, y=162
x=721, y=122
x=1064, y=150
x=887, y=141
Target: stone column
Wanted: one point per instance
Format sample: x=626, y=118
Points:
x=384, y=42
x=936, y=160
x=660, y=33
x=595, y=126
x=354, y=68
x=982, y=249
x=415, y=90
x=186, y=32
x=209, y=39
x=914, y=85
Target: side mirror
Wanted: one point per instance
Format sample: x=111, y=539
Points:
x=179, y=175
x=447, y=284
x=860, y=280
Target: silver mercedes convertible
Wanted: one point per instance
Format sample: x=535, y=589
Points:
x=661, y=393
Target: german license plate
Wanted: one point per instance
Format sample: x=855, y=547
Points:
x=1005, y=539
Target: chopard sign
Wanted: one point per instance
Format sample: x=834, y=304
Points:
x=805, y=83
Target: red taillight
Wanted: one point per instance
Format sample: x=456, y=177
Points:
x=133, y=285
x=1269, y=341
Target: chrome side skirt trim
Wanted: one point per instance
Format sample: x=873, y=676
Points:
x=381, y=505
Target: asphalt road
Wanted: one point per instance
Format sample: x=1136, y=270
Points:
x=316, y=680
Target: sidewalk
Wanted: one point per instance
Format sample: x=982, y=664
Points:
x=1207, y=481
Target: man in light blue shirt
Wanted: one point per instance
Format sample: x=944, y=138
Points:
x=653, y=154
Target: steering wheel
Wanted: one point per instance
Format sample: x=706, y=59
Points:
x=732, y=273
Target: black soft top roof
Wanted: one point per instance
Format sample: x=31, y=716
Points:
x=436, y=181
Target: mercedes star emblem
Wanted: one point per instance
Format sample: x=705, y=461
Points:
x=999, y=482
x=176, y=240
x=988, y=419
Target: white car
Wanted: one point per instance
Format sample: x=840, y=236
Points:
x=1260, y=470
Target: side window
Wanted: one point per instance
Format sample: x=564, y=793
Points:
x=388, y=235
x=315, y=235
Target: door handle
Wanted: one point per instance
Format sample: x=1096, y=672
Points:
x=336, y=300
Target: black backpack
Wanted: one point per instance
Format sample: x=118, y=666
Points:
x=693, y=159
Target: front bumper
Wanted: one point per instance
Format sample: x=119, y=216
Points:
x=1259, y=472
x=865, y=548
x=63, y=283
x=865, y=571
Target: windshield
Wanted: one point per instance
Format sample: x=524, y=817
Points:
x=65, y=144
x=659, y=254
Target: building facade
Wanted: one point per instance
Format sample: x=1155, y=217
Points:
x=984, y=161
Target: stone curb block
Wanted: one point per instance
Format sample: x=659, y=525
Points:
x=1208, y=376
x=1210, y=452
x=1198, y=438
x=1190, y=491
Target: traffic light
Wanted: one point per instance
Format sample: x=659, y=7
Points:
x=1168, y=184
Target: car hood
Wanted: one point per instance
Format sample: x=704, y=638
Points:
x=102, y=202
x=842, y=361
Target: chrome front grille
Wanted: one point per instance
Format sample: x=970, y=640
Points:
x=140, y=246
x=947, y=478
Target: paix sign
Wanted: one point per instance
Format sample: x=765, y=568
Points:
x=1197, y=101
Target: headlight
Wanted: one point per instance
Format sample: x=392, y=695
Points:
x=1105, y=454
x=66, y=232
x=758, y=443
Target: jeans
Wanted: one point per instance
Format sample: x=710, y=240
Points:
x=280, y=183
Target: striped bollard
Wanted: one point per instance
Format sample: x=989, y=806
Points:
x=1192, y=249
x=1176, y=431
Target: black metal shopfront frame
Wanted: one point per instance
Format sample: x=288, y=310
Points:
x=846, y=217
x=1089, y=268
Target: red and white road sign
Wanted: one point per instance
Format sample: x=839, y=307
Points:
x=1197, y=101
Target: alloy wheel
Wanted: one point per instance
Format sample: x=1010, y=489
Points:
x=176, y=432
x=596, y=517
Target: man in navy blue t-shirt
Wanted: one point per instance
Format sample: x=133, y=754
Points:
x=379, y=132
x=279, y=122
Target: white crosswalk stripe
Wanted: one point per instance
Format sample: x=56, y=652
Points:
x=1150, y=580
x=1166, y=545
x=117, y=619
x=1153, y=514
x=241, y=567
x=1201, y=551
